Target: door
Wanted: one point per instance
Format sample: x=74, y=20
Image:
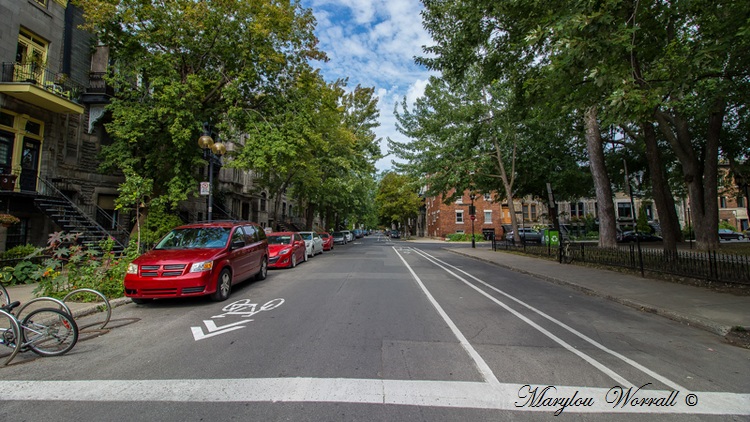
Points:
x=29, y=164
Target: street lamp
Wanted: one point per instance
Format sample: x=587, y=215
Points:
x=212, y=151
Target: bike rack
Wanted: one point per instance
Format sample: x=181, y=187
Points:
x=98, y=293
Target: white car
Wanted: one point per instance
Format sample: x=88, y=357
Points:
x=349, y=235
x=313, y=243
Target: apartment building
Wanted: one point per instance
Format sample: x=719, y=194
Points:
x=53, y=98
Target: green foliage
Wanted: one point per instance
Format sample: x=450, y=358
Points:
x=73, y=266
x=727, y=225
x=159, y=222
x=464, y=237
x=20, y=251
x=397, y=199
x=22, y=273
x=642, y=221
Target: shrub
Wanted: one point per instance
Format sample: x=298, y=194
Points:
x=73, y=266
x=20, y=251
x=464, y=237
x=22, y=273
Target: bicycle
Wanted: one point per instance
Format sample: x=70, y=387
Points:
x=567, y=252
x=45, y=331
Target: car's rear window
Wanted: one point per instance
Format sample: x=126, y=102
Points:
x=325, y=235
x=279, y=240
x=306, y=236
x=195, y=238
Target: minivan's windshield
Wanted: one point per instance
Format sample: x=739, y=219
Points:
x=195, y=238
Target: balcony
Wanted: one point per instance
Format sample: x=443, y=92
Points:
x=40, y=86
x=98, y=91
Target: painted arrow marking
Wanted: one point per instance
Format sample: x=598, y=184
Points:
x=213, y=330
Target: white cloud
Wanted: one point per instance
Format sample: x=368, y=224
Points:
x=373, y=43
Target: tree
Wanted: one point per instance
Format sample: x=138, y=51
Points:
x=677, y=65
x=178, y=64
x=397, y=200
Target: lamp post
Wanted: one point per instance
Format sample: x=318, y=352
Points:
x=472, y=216
x=212, y=151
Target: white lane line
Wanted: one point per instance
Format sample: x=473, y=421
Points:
x=481, y=365
x=572, y=330
x=447, y=394
x=593, y=362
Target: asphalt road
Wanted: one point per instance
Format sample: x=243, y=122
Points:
x=381, y=330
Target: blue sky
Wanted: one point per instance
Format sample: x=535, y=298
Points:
x=373, y=43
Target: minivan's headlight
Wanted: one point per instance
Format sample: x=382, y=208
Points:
x=132, y=268
x=199, y=267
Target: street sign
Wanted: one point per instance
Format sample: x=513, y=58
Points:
x=473, y=217
x=205, y=188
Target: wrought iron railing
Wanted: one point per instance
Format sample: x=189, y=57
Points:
x=713, y=266
x=33, y=73
x=119, y=234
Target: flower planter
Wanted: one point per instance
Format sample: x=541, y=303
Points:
x=7, y=181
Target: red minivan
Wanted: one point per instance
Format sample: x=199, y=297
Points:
x=199, y=259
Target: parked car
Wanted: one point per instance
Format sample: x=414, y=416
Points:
x=395, y=234
x=727, y=234
x=339, y=238
x=285, y=249
x=349, y=235
x=313, y=242
x=199, y=259
x=631, y=236
x=526, y=234
x=327, y=241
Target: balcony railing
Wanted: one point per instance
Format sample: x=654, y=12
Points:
x=97, y=84
x=54, y=82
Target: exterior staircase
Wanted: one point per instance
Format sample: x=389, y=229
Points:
x=72, y=219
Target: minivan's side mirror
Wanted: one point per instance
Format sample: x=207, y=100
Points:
x=236, y=244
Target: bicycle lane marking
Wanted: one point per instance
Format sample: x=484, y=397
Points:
x=442, y=264
x=243, y=308
x=479, y=362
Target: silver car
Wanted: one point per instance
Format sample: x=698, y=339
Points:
x=313, y=243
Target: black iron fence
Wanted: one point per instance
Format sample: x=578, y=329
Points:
x=710, y=266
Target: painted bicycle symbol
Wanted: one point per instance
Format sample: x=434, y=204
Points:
x=246, y=309
x=243, y=308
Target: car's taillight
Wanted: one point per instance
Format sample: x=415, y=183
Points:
x=200, y=267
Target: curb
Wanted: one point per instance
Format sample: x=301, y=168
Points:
x=701, y=323
x=93, y=308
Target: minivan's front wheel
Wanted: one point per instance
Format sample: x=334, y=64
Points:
x=263, y=269
x=223, y=286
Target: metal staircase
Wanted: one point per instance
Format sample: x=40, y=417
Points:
x=60, y=209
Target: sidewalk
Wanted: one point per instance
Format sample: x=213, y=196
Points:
x=709, y=310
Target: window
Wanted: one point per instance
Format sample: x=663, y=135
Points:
x=576, y=209
x=459, y=217
x=31, y=57
x=487, y=217
x=487, y=197
x=459, y=200
x=723, y=202
x=263, y=201
x=741, y=202
x=529, y=212
x=624, y=211
x=41, y=2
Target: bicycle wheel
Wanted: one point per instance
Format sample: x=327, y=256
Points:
x=568, y=253
x=9, y=337
x=49, y=332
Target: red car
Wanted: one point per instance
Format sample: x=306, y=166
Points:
x=285, y=249
x=327, y=241
x=199, y=259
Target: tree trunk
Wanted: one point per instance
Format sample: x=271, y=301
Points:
x=700, y=173
x=670, y=225
x=607, y=226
